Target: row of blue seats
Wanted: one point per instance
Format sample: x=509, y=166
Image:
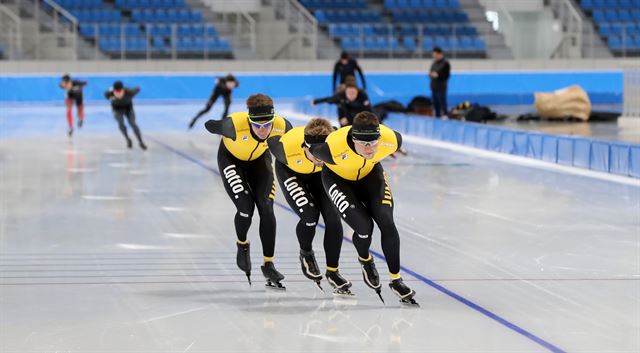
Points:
x=409, y=47
x=328, y=16
x=421, y=4
x=131, y=29
x=170, y=15
x=616, y=15
x=629, y=42
x=141, y=48
x=189, y=40
x=87, y=4
x=89, y=29
x=133, y=4
x=609, y=4
x=629, y=28
x=429, y=16
x=334, y=4
x=445, y=30
x=464, y=45
x=97, y=15
x=346, y=29
x=386, y=44
x=159, y=44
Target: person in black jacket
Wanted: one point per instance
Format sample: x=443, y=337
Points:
x=344, y=67
x=350, y=102
x=224, y=86
x=439, y=74
x=122, y=105
x=74, y=95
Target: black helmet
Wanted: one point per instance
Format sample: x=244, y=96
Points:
x=66, y=77
x=232, y=78
x=118, y=85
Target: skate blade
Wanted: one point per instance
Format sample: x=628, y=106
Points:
x=275, y=287
x=343, y=294
x=410, y=303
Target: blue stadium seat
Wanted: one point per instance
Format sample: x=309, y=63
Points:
x=587, y=4
x=409, y=43
x=160, y=30
x=598, y=15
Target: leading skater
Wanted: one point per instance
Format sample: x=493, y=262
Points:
x=247, y=175
x=356, y=184
x=298, y=173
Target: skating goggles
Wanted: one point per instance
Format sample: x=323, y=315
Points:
x=261, y=124
x=372, y=143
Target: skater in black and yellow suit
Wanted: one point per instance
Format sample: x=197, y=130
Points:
x=298, y=173
x=247, y=175
x=355, y=182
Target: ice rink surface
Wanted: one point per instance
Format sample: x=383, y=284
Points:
x=104, y=249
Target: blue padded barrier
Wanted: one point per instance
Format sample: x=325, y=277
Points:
x=604, y=156
x=619, y=159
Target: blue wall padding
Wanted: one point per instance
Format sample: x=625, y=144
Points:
x=487, y=88
x=634, y=161
x=619, y=160
x=534, y=144
x=507, y=144
x=581, y=153
x=600, y=156
x=550, y=149
x=565, y=151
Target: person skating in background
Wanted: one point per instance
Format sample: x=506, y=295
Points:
x=121, y=99
x=247, y=174
x=439, y=74
x=224, y=86
x=298, y=173
x=74, y=95
x=345, y=67
x=350, y=102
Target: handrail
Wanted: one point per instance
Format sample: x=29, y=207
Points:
x=74, y=23
x=18, y=24
x=572, y=21
x=556, y=52
x=252, y=29
x=313, y=22
x=64, y=12
x=305, y=12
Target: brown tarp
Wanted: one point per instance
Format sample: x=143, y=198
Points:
x=571, y=101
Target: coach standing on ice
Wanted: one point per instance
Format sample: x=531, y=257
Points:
x=439, y=74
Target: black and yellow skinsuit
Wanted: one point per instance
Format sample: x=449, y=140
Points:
x=359, y=191
x=247, y=174
x=301, y=183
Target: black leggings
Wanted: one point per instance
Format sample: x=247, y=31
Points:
x=211, y=102
x=119, y=115
x=305, y=195
x=250, y=185
x=362, y=202
x=439, y=98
